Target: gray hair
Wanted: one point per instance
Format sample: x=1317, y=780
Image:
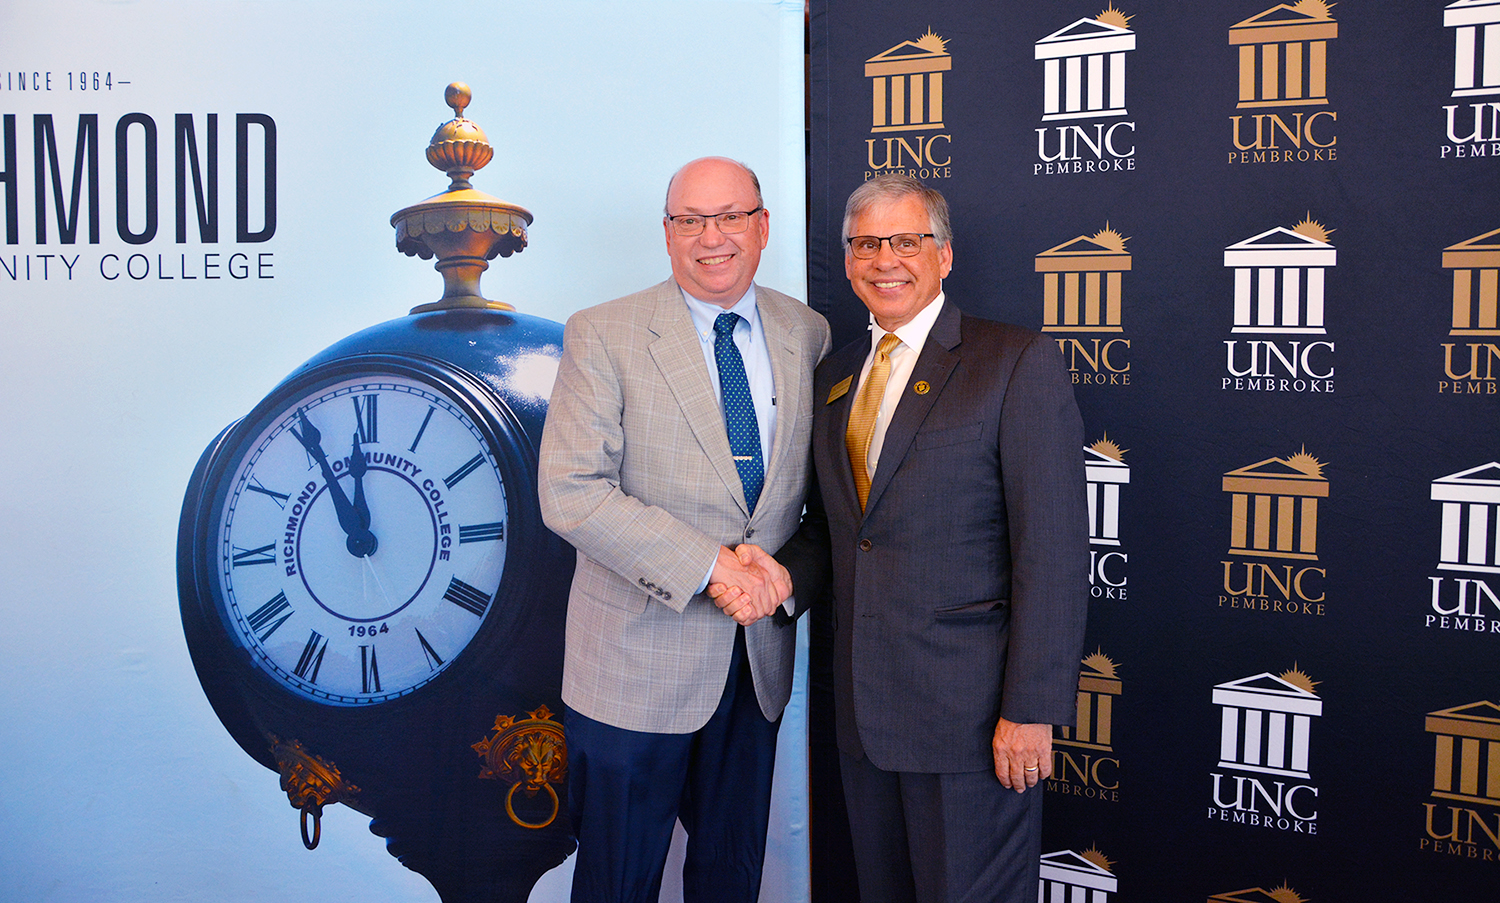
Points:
x=892, y=187
x=754, y=181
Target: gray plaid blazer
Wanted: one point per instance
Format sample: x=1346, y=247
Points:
x=636, y=473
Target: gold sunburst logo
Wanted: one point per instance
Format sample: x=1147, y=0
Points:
x=1109, y=449
x=1284, y=894
x=1109, y=238
x=1092, y=854
x=1299, y=679
x=1112, y=16
x=1315, y=9
x=1305, y=463
x=932, y=43
x=1313, y=229
x=1101, y=664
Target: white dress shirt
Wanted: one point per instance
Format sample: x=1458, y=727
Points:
x=911, y=337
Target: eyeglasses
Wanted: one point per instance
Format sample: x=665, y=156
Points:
x=690, y=224
x=903, y=244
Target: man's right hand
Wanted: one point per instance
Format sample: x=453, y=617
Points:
x=748, y=584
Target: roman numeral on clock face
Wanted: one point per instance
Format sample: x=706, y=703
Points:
x=434, y=661
x=481, y=532
x=312, y=657
x=468, y=467
x=262, y=617
x=422, y=429
x=280, y=498
x=364, y=418
x=266, y=554
x=369, y=679
x=467, y=597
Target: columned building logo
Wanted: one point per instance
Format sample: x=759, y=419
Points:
x=1098, y=687
x=1274, y=507
x=1266, y=723
x=1105, y=470
x=906, y=110
x=1283, y=55
x=1466, y=758
x=1083, y=86
x=1475, y=263
x=1069, y=877
x=1282, y=894
x=1083, y=67
x=1476, y=46
x=1471, y=532
x=1082, y=283
x=1279, y=278
x=906, y=85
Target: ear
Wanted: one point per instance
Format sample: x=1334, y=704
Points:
x=945, y=260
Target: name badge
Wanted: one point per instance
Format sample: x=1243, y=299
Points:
x=839, y=390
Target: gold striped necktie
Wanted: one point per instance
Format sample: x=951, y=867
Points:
x=862, y=416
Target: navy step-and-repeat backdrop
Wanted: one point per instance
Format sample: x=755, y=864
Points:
x=1266, y=238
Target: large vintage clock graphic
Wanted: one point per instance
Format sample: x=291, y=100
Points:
x=372, y=603
x=364, y=533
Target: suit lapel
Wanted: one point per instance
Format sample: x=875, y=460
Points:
x=844, y=366
x=786, y=369
x=679, y=356
x=934, y=365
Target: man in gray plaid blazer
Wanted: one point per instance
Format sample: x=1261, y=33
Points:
x=672, y=703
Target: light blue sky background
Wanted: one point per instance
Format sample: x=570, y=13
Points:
x=119, y=782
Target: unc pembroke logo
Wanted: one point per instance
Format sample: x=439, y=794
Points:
x=1281, y=894
x=906, y=88
x=1265, y=731
x=1083, y=77
x=1283, y=63
x=1470, y=500
x=1105, y=470
x=1067, y=875
x=1476, y=73
x=1469, y=367
x=1087, y=767
x=1466, y=771
x=1274, y=514
x=1280, y=290
x=1083, y=291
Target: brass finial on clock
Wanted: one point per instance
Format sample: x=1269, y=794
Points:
x=463, y=228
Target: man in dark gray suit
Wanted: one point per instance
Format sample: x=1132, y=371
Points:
x=948, y=455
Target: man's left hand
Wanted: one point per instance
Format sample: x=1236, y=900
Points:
x=1023, y=754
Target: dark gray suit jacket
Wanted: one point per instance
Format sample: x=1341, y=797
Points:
x=960, y=595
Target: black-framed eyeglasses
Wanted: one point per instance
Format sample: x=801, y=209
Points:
x=903, y=244
x=690, y=224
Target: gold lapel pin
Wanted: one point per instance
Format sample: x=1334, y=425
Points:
x=921, y=388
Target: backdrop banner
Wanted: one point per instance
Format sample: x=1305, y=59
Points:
x=1266, y=239
x=196, y=198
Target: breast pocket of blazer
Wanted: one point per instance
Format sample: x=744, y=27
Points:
x=949, y=435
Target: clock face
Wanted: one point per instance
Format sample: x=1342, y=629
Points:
x=362, y=537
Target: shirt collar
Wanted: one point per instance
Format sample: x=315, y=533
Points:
x=704, y=313
x=913, y=333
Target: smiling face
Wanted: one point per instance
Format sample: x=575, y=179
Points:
x=895, y=289
x=712, y=266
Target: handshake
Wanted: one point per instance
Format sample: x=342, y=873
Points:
x=748, y=584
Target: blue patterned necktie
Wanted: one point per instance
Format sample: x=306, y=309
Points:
x=739, y=409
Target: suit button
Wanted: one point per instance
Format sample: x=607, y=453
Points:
x=865, y=545
x=749, y=533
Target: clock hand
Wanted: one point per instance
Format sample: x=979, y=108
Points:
x=361, y=542
x=312, y=440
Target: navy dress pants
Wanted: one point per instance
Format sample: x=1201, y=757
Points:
x=627, y=789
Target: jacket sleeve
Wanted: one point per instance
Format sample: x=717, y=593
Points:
x=579, y=479
x=1041, y=455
